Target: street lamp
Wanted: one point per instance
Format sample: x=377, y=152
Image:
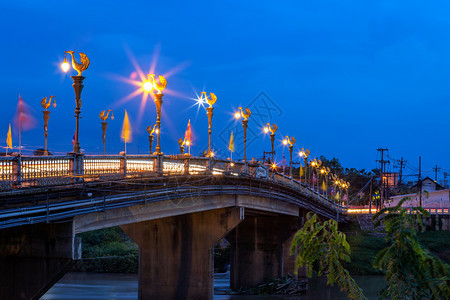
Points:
x=150, y=85
x=46, y=105
x=209, y=113
x=291, y=142
x=78, y=87
x=272, y=130
x=245, y=117
x=304, y=153
x=316, y=163
x=150, y=131
x=104, y=117
x=325, y=171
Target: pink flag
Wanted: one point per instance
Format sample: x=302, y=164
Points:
x=314, y=178
x=23, y=119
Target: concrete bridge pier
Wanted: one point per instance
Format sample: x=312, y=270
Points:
x=176, y=253
x=258, y=249
x=33, y=258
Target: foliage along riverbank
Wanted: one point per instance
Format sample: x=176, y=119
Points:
x=112, y=251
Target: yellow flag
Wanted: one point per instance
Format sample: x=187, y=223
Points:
x=231, y=145
x=324, y=185
x=126, y=129
x=301, y=171
x=9, y=138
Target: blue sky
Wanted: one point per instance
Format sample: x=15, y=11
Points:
x=346, y=77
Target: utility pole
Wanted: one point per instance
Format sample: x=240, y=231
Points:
x=436, y=169
x=400, y=171
x=420, y=181
x=383, y=184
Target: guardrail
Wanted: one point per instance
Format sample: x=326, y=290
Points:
x=39, y=171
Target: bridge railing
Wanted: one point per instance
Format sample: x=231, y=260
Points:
x=18, y=172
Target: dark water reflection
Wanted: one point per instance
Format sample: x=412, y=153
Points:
x=78, y=286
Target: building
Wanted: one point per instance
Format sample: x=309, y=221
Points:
x=434, y=196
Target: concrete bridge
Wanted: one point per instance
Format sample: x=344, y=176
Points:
x=176, y=208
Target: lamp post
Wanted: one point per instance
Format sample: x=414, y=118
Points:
x=78, y=87
x=272, y=130
x=150, y=85
x=304, y=153
x=150, y=131
x=291, y=142
x=325, y=171
x=316, y=163
x=209, y=113
x=46, y=105
x=240, y=113
x=104, y=117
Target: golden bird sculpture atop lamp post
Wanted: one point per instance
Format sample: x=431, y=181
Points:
x=291, y=142
x=78, y=87
x=104, y=117
x=150, y=131
x=272, y=129
x=150, y=85
x=45, y=105
x=305, y=153
x=209, y=112
x=244, y=115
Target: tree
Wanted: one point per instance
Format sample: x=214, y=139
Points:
x=321, y=248
x=412, y=272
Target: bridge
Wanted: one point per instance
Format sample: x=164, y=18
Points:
x=175, y=207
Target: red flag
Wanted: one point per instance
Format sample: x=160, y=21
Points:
x=188, y=134
x=23, y=119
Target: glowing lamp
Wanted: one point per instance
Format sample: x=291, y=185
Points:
x=157, y=131
x=237, y=115
x=187, y=143
x=285, y=142
x=266, y=129
x=301, y=153
x=212, y=154
x=148, y=86
x=65, y=65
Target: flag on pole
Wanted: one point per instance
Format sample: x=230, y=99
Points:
x=332, y=191
x=126, y=129
x=23, y=119
x=314, y=178
x=324, y=185
x=231, y=144
x=301, y=171
x=188, y=134
x=73, y=138
x=9, y=138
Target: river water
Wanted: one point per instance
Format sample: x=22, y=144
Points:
x=82, y=286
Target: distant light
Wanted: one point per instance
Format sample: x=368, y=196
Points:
x=274, y=166
x=266, y=129
x=212, y=154
x=285, y=142
x=301, y=153
x=237, y=115
x=187, y=143
x=157, y=130
x=232, y=164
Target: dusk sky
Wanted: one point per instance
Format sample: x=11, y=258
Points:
x=342, y=77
